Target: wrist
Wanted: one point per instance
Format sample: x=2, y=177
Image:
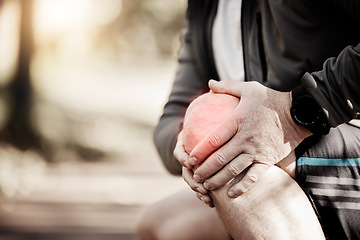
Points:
x=298, y=132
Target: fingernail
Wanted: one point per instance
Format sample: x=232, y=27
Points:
x=192, y=160
x=231, y=194
x=207, y=186
x=197, y=179
x=211, y=205
x=206, y=199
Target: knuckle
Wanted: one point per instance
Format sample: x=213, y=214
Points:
x=198, y=153
x=177, y=156
x=200, y=172
x=252, y=178
x=214, y=140
x=181, y=158
x=254, y=83
x=220, y=159
x=232, y=169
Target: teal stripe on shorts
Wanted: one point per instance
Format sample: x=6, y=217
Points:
x=346, y=162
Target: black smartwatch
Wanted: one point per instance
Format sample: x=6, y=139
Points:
x=305, y=111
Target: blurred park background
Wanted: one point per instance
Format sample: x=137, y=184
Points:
x=82, y=84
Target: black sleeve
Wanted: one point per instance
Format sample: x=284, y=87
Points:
x=337, y=86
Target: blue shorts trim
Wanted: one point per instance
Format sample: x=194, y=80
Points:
x=336, y=162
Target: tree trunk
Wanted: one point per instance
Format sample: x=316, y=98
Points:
x=19, y=130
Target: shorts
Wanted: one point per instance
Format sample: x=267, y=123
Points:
x=328, y=170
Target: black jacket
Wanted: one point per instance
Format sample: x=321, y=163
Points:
x=281, y=40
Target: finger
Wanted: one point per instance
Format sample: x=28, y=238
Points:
x=251, y=177
x=218, y=160
x=199, y=195
x=205, y=199
x=214, y=140
x=182, y=157
x=187, y=175
x=228, y=172
x=180, y=154
x=229, y=87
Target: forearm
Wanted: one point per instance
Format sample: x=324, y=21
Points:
x=165, y=136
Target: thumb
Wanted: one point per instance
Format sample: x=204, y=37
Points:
x=228, y=87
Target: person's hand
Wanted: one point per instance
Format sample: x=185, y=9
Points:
x=188, y=174
x=179, y=152
x=200, y=191
x=258, y=134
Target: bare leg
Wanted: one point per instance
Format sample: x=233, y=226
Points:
x=181, y=217
x=275, y=208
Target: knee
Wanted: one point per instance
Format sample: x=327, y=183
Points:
x=156, y=222
x=178, y=217
x=147, y=228
x=161, y=221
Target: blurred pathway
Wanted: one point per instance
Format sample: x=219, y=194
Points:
x=74, y=200
x=77, y=200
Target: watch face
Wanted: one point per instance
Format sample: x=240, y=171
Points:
x=306, y=111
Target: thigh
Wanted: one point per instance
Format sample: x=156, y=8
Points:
x=183, y=216
x=329, y=172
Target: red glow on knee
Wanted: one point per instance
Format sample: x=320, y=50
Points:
x=204, y=114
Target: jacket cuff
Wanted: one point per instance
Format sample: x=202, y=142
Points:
x=298, y=92
x=310, y=85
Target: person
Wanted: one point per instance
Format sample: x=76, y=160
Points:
x=258, y=54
